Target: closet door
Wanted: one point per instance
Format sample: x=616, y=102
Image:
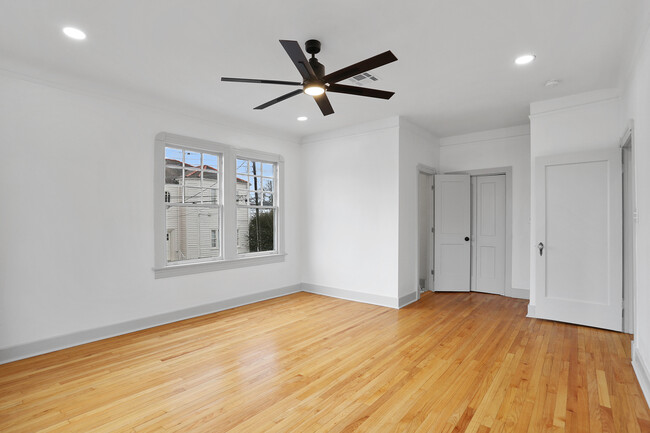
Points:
x=489, y=234
x=452, y=231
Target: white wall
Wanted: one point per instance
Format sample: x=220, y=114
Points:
x=350, y=209
x=416, y=147
x=636, y=106
x=571, y=124
x=508, y=147
x=77, y=214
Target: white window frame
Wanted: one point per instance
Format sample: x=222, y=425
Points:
x=229, y=257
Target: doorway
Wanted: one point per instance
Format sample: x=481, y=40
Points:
x=425, y=229
x=629, y=227
x=476, y=206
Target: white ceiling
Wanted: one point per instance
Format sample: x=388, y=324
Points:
x=455, y=72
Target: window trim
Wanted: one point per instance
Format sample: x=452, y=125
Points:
x=229, y=258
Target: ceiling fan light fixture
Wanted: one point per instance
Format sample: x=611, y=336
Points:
x=314, y=89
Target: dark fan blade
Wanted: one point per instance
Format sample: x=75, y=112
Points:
x=280, y=99
x=298, y=58
x=251, y=80
x=324, y=104
x=360, y=91
x=362, y=66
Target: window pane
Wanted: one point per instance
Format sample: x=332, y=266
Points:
x=268, y=185
x=255, y=183
x=192, y=158
x=255, y=199
x=256, y=168
x=173, y=182
x=172, y=155
x=173, y=176
x=193, y=194
x=190, y=233
x=267, y=170
x=210, y=162
x=268, y=199
x=242, y=166
x=255, y=230
x=211, y=196
x=210, y=180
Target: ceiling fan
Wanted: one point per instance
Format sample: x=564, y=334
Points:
x=315, y=83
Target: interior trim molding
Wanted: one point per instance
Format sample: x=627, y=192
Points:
x=350, y=131
x=515, y=292
x=352, y=295
x=408, y=299
x=216, y=265
x=484, y=136
x=573, y=102
x=642, y=371
x=53, y=344
x=531, y=311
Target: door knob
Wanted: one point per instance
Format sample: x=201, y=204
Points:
x=466, y=238
x=540, y=247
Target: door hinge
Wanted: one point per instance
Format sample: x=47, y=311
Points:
x=433, y=187
x=433, y=230
x=432, y=272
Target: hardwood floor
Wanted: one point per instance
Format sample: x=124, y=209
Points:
x=304, y=363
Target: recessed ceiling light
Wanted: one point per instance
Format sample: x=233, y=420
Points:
x=301, y=118
x=552, y=83
x=74, y=33
x=525, y=59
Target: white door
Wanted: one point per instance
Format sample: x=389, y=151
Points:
x=489, y=234
x=452, y=231
x=578, y=255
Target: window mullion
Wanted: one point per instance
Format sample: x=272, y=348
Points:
x=229, y=206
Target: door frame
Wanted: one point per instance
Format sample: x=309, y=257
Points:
x=629, y=290
x=507, y=171
x=429, y=171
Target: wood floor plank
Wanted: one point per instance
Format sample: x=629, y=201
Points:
x=449, y=363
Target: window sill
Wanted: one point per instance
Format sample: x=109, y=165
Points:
x=196, y=268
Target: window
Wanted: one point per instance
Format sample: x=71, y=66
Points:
x=216, y=206
x=255, y=206
x=192, y=207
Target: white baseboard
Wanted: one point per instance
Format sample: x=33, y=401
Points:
x=351, y=295
x=642, y=371
x=407, y=299
x=531, y=311
x=28, y=350
x=518, y=293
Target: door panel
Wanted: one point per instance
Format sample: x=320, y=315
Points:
x=452, y=227
x=578, y=212
x=490, y=236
